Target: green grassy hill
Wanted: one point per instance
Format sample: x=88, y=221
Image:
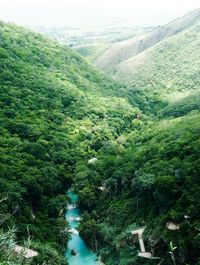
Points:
x=166, y=71
x=124, y=50
x=92, y=52
x=91, y=43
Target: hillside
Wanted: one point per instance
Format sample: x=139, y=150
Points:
x=91, y=43
x=124, y=50
x=58, y=113
x=150, y=178
x=56, y=109
x=166, y=70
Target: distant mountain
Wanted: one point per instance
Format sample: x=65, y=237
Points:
x=170, y=66
x=58, y=112
x=91, y=43
x=124, y=50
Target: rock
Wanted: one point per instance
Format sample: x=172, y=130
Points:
x=26, y=252
x=78, y=218
x=172, y=226
x=92, y=161
x=187, y=216
x=73, y=231
x=101, y=188
x=72, y=206
x=74, y=253
x=146, y=255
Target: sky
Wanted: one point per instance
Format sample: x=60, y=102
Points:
x=93, y=13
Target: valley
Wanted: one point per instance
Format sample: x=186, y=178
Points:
x=123, y=141
x=92, y=42
x=125, y=50
x=77, y=251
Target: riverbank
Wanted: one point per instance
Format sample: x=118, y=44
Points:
x=82, y=254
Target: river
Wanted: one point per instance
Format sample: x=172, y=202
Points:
x=84, y=255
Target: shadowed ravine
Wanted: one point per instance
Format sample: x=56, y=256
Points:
x=84, y=254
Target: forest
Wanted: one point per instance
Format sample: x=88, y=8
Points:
x=49, y=121
x=58, y=111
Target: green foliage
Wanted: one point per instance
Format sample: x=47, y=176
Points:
x=153, y=180
x=47, y=255
x=171, y=252
x=125, y=52
x=168, y=67
x=182, y=107
x=56, y=110
x=92, y=52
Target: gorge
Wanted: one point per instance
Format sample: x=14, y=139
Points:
x=77, y=252
x=129, y=147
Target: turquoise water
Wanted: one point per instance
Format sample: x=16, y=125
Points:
x=85, y=255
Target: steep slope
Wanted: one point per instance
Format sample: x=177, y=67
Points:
x=124, y=50
x=181, y=106
x=57, y=112
x=91, y=43
x=56, y=109
x=148, y=178
x=166, y=70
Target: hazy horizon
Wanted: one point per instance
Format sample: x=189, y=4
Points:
x=88, y=13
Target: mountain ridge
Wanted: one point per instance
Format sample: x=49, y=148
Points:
x=122, y=51
x=175, y=59
x=58, y=112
